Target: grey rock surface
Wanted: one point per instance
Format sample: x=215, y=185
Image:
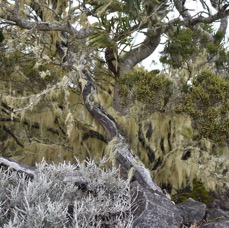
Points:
x=152, y=209
x=218, y=224
x=192, y=211
x=213, y=214
x=221, y=200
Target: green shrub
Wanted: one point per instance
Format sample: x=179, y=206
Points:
x=207, y=102
x=149, y=88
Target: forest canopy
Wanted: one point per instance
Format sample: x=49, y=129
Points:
x=72, y=84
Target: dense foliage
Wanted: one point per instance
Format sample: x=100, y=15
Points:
x=71, y=84
x=149, y=88
x=185, y=46
x=207, y=102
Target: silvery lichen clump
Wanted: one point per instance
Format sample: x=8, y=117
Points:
x=65, y=195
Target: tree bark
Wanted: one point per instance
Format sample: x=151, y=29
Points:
x=120, y=148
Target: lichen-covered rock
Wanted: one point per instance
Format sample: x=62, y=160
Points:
x=217, y=224
x=216, y=214
x=221, y=200
x=192, y=211
x=152, y=209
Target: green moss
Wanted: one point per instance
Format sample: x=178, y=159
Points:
x=212, y=47
x=219, y=36
x=197, y=192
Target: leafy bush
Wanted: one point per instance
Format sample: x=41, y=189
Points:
x=150, y=88
x=207, y=102
x=65, y=195
x=184, y=45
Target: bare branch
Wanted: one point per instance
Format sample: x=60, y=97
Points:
x=194, y=22
x=35, y=97
x=94, y=134
x=210, y=19
x=14, y=166
x=130, y=59
x=182, y=10
x=51, y=26
x=14, y=16
x=223, y=27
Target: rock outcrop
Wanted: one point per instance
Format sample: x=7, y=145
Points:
x=152, y=209
x=218, y=224
x=192, y=211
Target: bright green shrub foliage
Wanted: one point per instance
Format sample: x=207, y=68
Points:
x=207, y=102
x=149, y=88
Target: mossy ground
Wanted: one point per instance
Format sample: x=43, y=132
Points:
x=197, y=192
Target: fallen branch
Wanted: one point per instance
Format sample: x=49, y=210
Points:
x=11, y=165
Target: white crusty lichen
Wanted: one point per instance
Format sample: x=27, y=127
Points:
x=65, y=195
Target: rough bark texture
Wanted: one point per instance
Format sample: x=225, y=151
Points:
x=120, y=149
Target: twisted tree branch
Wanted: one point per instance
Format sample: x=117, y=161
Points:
x=120, y=148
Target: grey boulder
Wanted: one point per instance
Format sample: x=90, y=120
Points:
x=152, y=209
